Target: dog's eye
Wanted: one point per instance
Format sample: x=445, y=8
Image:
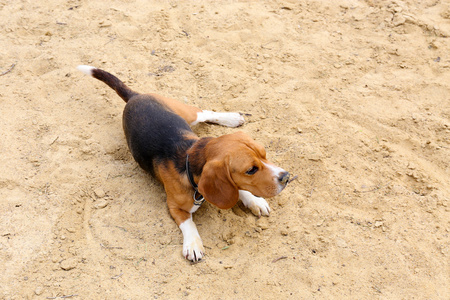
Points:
x=252, y=170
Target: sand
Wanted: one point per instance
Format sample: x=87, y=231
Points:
x=351, y=96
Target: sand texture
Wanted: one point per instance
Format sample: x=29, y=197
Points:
x=351, y=96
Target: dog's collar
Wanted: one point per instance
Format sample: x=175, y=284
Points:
x=198, y=198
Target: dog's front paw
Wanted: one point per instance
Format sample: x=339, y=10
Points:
x=193, y=249
x=257, y=205
x=192, y=243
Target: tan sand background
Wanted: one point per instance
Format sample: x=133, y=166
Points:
x=351, y=96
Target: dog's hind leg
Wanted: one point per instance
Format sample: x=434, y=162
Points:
x=229, y=119
x=194, y=115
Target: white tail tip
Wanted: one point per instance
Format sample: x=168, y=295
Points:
x=86, y=69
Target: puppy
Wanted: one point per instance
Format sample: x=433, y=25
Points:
x=220, y=170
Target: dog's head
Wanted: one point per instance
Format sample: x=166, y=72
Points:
x=236, y=162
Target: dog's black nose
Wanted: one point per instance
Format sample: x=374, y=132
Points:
x=284, y=178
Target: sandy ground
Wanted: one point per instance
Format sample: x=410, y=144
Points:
x=351, y=96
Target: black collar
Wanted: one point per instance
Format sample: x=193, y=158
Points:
x=198, y=198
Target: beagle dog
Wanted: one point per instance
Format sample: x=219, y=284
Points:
x=219, y=170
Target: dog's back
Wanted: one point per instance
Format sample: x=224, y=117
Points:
x=153, y=131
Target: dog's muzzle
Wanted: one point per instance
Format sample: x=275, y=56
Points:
x=284, y=178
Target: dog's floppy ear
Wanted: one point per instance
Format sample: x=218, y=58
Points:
x=217, y=186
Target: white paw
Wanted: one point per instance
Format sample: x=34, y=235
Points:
x=192, y=243
x=231, y=120
x=257, y=205
x=193, y=250
x=222, y=118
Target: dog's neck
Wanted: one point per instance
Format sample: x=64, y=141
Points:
x=197, y=157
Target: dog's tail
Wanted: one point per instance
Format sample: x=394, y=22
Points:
x=115, y=83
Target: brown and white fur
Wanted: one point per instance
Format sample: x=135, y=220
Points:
x=225, y=168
